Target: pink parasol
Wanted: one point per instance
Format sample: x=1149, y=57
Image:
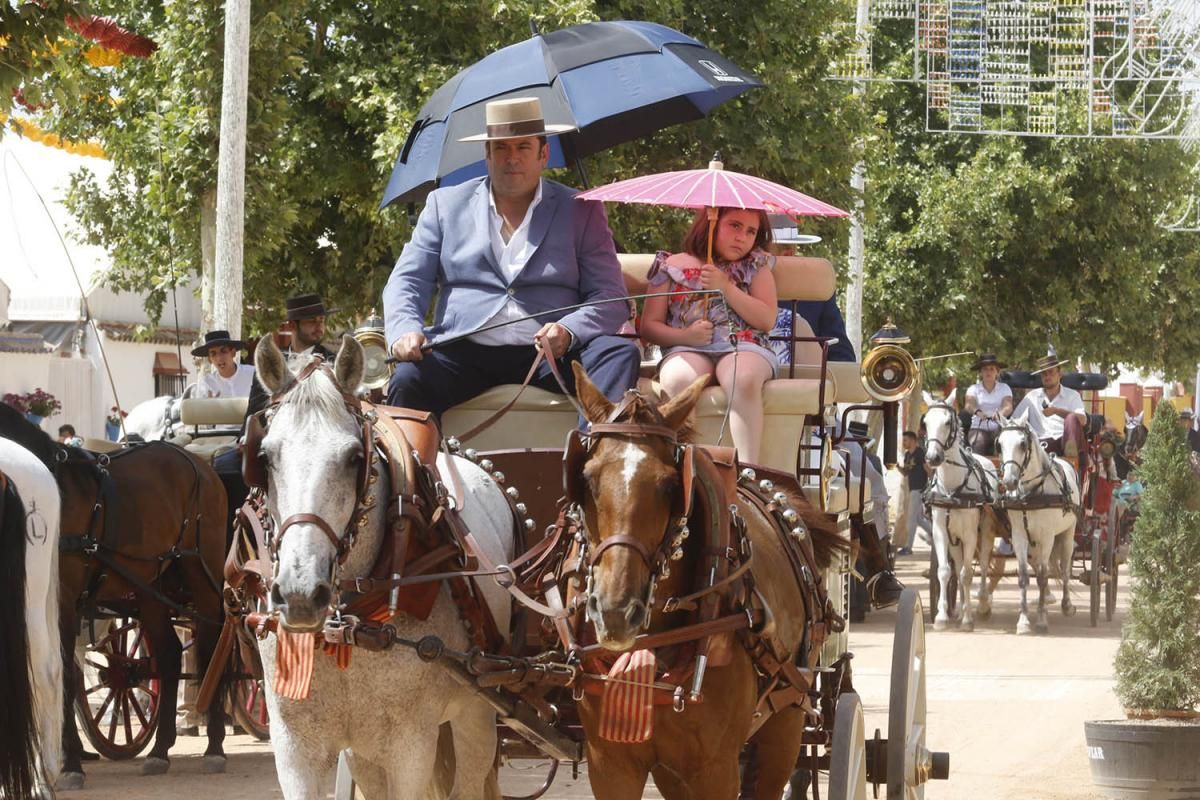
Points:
x=713, y=188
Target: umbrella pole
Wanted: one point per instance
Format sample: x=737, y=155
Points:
x=712, y=227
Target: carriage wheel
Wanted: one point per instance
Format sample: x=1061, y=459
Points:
x=1111, y=570
x=1094, y=578
x=848, y=758
x=249, y=705
x=117, y=691
x=910, y=765
x=935, y=587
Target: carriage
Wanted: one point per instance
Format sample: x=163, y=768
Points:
x=118, y=683
x=1103, y=524
x=524, y=452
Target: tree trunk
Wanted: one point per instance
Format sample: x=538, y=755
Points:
x=231, y=169
x=208, y=259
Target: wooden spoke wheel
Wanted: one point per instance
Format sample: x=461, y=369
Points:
x=1111, y=570
x=117, y=691
x=1094, y=576
x=848, y=758
x=248, y=700
x=909, y=764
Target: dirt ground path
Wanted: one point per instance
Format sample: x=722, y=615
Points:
x=1009, y=710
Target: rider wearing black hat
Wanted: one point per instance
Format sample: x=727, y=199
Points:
x=988, y=401
x=228, y=378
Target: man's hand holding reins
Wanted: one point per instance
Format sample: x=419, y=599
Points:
x=555, y=337
x=408, y=347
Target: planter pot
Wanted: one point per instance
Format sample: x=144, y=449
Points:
x=1147, y=760
x=36, y=419
x=112, y=432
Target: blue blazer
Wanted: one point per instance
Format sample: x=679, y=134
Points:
x=450, y=252
x=825, y=318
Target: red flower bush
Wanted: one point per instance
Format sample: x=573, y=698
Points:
x=37, y=402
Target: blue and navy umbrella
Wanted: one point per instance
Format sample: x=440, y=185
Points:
x=613, y=81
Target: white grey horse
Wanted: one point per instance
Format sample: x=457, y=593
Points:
x=1041, y=531
x=30, y=654
x=154, y=419
x=960, y=534
x=386, y=707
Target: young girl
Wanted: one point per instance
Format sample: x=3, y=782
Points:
x=694, y=330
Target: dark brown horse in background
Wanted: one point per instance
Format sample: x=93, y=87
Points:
x=143, y=529
x=627, y=486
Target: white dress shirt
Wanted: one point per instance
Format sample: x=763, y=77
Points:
x=511, y=257
x=1049, y=427
x=215, y=385
x=989, y=403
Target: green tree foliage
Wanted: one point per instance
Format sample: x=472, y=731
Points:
x=1158, y=661
x=334, y=89
x=31, y=36
x=1006, y=243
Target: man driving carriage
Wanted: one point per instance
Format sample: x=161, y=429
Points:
x=496, y=249
x=1055, y=412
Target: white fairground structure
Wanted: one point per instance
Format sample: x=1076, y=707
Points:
x=45, y=339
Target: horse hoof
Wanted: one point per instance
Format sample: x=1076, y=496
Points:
x=967, y=626
x=1024, y=628
x=155, y=766
x=940, y=624
x=1068, y=611
x=1043, y=627
x=69, y=782
x=213, y=765
x=984, y=614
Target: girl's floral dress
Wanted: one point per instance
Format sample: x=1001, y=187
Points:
x=684, y=309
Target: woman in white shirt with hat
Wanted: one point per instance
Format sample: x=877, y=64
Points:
x=988, y=400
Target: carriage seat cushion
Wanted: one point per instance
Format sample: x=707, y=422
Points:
x=209, y=447
x=796, y=277
x=213, y=411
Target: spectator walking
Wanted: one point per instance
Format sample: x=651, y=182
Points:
x=916, y=476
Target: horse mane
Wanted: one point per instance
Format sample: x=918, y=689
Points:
x=15, y=428
x=317, y=396
x=641, y=409
x=822, y=530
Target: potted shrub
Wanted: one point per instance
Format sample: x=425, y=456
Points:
x=112, y=424
x=35, y=405
x=1156, y=752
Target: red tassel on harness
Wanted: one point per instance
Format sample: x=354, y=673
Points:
x=627, y=704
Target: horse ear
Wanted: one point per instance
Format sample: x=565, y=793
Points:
x=596, y=407
x=271, y=367
x=678, y=408
x=349, y=364
x=1022, y=418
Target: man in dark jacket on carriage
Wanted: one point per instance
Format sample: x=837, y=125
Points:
x=496, y=250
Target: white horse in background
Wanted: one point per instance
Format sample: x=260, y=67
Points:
x=387, y=707
x=966, y=533
x=31, y=670
x=156, y=419
x=1042, y=530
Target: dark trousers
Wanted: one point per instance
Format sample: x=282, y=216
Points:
x=228, y=467
x=457, y=372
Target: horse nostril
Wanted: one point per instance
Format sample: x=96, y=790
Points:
x=277, y=597
x=635, y=615
x=322, y=595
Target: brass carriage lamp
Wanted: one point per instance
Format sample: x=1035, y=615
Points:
x=376, y=370
x=889, y=374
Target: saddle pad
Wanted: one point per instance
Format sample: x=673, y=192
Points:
x=627, y=704
x=293, y=663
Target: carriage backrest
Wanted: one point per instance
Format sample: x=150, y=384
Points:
x=796, y=277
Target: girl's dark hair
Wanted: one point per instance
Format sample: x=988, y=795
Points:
x=696, y=241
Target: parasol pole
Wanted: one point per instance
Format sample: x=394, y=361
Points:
x=713, y=213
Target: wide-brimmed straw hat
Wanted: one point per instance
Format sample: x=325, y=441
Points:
x=217, y=339
x=1049, y=362
x=988, y=360
x=515, y=118
x=307, y=306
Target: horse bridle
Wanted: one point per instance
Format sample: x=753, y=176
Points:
x=1029, y=443
x=256, y=473
x=670, y=546
x=954, y=427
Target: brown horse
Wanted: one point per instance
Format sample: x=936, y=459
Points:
x=143, y=530
x=629, y=488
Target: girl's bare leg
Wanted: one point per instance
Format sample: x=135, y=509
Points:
x=745, y=400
